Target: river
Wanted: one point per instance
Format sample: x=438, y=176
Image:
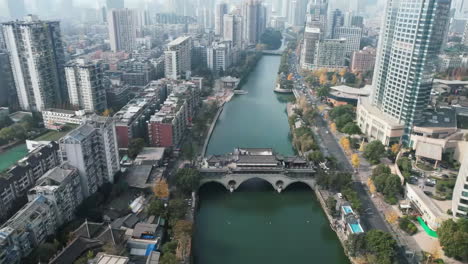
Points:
x=256, y=225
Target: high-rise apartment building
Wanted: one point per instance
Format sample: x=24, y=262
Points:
x=85, y=88
x=363, y=60
x=7, y=87
x=115, y=4
x=37, y=61
x=220, y=11
x=122, y=29
x=411, y=38
x=233, y=29
x=254, y=15
x=178, y=58
x=330, y=54
x=317, y=11
x=335, y=18
x=297, y=13
x=219, y=56
x=352, y=36
x=92, y=149
x=309, y=47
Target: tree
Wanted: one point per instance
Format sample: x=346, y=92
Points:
x=405, y=164
x=183, y=228
x=169, y=258
x=136, y=145
x=331, y=204
x=315, y=156
x=177, y=209
x=371, y=186
x=108, y=112
x=169, y=247
x=161, y=189
x=395, y=148
x=374, y=151
x=323, y=91
x=344, y=142
x=343, y=120
x=351, y=128
x=333, y=127
x=453, y=237
x=187, y=180
x=157, y=208
x=323, y=79
x=271, y=38
x=355, y=161
x=382, y=245
x=334, y=79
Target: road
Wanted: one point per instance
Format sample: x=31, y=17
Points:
x=372, y=218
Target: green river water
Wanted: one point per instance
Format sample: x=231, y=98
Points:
x=256, y=225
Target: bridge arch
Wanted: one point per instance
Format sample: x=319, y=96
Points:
x=239, y=183
x=309, y=184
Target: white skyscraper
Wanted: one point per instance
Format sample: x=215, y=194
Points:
x=85, y=87
x=37, y=60
x=221, y=10
x=411, y=37
x=177, y=58
x=309, y=46
x=122, y=29
x=233, y=29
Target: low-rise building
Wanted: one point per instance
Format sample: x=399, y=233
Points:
x=55, y=118
x=430, y=211
x=375, y=125
x=343, y=94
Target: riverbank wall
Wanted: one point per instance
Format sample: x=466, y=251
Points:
x=212, y=127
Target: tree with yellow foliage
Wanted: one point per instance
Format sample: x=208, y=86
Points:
x=343, y=72
x=362, y=146
x=344, y=142
x=334, y=80
x=333, y=127
x=161, y=189
x=107, y=112
x=371, y=186
x=395, y=148
x=323, y=79
x=355, y=161
x=290, y=76
x=391, y=217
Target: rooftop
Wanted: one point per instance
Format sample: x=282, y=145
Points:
x=137, y=176
x=81, y=132
x=57, y=174
x=440, y=117
x=150, y=154
x=178, y=41
x=111, y=259
x=53, y=135
x=365, y=91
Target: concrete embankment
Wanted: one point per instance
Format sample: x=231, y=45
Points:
x=212, y=126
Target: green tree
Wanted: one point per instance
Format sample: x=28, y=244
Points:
x=177, y=209
x=168, y=258
x=382, y=245
x=453, y=237
x=187, y=180
x=156, y=207
x=331, y=204
x=136, y=145
x=323, y=91
x=374, y=151
x=343, y=120
x=356, y=244
x=169, y=247
x=271, y=38
x=342, y=110
x=315, y=156
x=351, y=128
x=404, y=164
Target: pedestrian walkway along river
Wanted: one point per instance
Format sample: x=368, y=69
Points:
x=255, y=224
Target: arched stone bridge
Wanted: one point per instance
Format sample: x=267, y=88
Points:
x=278, y=181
